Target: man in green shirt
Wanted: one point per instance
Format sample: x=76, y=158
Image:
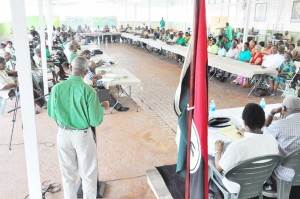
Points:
x=162, y=23
x=180, y=40
x=75, y=107
x=228, y=32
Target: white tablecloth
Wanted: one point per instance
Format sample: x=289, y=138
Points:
x=177, y=49
x=235, y=114
x=116, y=75
x=238, y=67
x=98, y=34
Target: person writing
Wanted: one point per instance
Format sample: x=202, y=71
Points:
x=253, y=143
x=75, y=107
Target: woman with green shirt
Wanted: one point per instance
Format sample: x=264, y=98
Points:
x=285, y=71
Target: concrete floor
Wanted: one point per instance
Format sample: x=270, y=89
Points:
x=128, y=143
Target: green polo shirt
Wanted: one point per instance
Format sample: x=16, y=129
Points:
x=181, y=41
x=75, y=104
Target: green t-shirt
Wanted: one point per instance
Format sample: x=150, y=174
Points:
x=181, y=41
x=228, y=33
x=48, y=53
x=162, y=24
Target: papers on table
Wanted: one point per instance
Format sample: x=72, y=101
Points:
x=231, y=133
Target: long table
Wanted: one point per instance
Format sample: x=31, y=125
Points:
x=235, y=115
x=237, y=67
x=177, y=49
x=116, y=76
x=97, y=34
x=100, y=34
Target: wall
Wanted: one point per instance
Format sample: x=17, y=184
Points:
x=278, y=15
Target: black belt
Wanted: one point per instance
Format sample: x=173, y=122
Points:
x=69, y=128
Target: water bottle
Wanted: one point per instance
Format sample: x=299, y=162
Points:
x=262, y=103
x=212, y=109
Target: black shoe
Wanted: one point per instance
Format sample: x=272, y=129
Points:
x=123, y=109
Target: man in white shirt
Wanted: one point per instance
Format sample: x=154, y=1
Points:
x=2, y=49
x=6, y=83
x=9, y=66
x=287, y=36
x=233, y=52
x=285, y=131
x=253, y=143
x=37, y=58
x=274, y=60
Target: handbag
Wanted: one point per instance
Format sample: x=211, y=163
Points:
x=96, y=52
x=217, y=121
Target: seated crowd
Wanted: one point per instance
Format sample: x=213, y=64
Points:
x=278, y=57
x=66, y=47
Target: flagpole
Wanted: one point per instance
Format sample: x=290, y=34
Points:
x=191, y=98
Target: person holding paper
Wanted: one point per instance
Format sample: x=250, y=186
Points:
x=253, y=143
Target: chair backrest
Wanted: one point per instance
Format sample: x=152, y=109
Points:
x=297, y=64
x=252, y=174
x=292, y=161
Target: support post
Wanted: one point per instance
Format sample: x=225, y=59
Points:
x=27, y=103
x=167, y=13
x=246, y=20
x=135, y=9
x=149, y=13
x=49, y=18
x=43, y=47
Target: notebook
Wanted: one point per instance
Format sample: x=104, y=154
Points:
x=230, y=132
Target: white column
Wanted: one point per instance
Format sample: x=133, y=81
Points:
x=21, y=43
x=167, y=13
x=43, y=47
x=126, y=12
x=49, y=18
x=135, y=9
x=149, y=11
x=246, y=20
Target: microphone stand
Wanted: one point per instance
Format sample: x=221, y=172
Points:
x=15, y=110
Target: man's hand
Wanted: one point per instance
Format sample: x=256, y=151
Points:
x=276, y=110
x=105, y=105
x=241, y=132
x=219, y=146
x=100, y=63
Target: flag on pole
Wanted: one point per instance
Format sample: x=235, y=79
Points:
x=191, y=136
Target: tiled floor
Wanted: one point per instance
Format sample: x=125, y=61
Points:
x=128, y=143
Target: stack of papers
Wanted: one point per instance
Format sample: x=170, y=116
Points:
x=113, y=76
x=231, y=133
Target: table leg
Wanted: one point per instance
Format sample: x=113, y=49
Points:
x=257, y=82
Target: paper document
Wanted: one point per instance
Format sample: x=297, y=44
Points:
x=113, y=76
x=231, y=133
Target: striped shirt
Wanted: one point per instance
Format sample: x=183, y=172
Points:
x=286, y=132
